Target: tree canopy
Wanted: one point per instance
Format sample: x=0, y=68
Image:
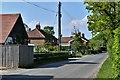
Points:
x=49, y=29
x=104, y=19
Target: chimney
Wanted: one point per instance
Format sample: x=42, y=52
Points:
x=83, y=35
x=38, y=26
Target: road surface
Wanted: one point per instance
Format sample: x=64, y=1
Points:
x=74, y=68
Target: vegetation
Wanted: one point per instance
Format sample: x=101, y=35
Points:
x=105, y=20
x=77, y=45
x=48, y=57
x=49, y=29
x=97, y=43
x=106, y=70
x=45, y=48
x=116, y=53
x=51, y=55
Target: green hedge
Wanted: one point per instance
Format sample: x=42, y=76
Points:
x=48, y=55
x=116, y=54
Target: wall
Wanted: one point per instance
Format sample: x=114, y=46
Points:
x=65, y=44
x=15, y=56
x=37, y=41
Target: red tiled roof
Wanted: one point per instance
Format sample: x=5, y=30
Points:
x=35, y=33
x=66, y=39
x=7, y=22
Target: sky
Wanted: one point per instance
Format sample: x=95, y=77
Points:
x=73, y=14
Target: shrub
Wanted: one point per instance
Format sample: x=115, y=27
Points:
x=78, y=54
x=45, y=48
x=40, y=48
x=64, y=48
x=48, y=55
x=116, y=53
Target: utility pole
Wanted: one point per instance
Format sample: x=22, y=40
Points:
x=59, y=25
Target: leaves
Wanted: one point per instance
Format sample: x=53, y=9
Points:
x=49, y=29
x=105, y=19
x=116, y=53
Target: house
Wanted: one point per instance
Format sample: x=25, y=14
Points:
x=66, y=41
x=14, y=51
x=84, y=40
x=37, y=36
x=12, y=30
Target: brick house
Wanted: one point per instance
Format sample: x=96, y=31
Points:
x=37, y=36
x=12, y=30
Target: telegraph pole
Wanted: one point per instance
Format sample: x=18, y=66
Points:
x=59, y=25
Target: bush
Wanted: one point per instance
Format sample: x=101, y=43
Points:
x=44, y=48
x=48, y=55
x=64, y=48
x=78, y=54
x=116, y=54
x=40, y=48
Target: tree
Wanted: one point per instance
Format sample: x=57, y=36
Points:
x=105, y=18
x=49, y=29
x=77, y=43
x=98, y=42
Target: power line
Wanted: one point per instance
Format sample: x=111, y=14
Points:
x=69, y=15
x=41, y=7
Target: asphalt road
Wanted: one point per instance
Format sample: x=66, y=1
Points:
x=72, y=69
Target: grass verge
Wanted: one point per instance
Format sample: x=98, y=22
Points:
x=106, y=69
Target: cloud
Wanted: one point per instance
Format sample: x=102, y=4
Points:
x=81, y=23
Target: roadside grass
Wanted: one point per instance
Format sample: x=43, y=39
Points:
x=106, y=70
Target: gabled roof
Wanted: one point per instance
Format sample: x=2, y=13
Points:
x=35, y=33
x=38, y=33
x=7, y=22
x=66, y=39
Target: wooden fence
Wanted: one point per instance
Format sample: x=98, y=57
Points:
x=16, y=56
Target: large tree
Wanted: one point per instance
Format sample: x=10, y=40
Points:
x=105, y=18
x=49, y=29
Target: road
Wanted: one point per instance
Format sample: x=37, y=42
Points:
x=74, y=68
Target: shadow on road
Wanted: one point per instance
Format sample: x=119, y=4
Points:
x=83, y=63
x=25, y=77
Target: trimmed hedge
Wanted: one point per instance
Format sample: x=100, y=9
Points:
x=116, y=53
x=48, y=55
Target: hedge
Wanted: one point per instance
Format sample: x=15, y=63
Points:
x=116, y=54
x=48, y=55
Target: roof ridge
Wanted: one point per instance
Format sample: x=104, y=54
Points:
x=11, y=14
x=39, y=32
